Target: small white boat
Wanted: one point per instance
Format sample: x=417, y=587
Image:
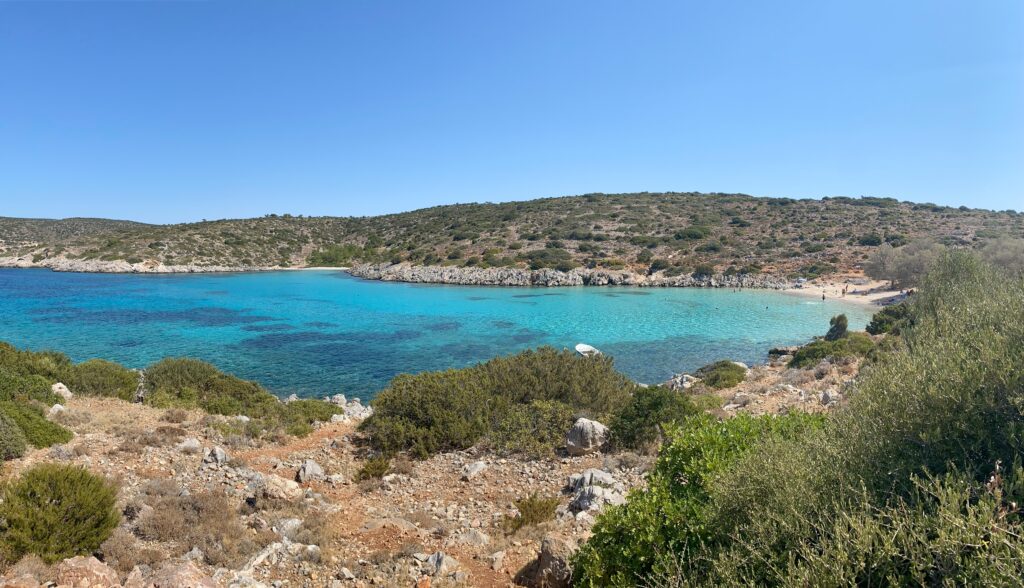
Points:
x=586, y=350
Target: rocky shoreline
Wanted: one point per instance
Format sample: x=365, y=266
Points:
x=404, y=272
x=474, y=276
x=120, y=266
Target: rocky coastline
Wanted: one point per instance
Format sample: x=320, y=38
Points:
x=120, y=266
x=501, y=276
x=404, y=272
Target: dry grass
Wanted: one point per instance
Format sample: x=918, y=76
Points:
x=123, y=551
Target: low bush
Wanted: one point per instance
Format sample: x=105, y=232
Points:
x=26, y=388
x=191, y=383
x=670, y=516
x=12, y=440
x=532, y=510
x=38, y=431
x=639, y=425
x=98, y=377
x=852, y=345
x=837, y=328
x=205, y=520
x=721, y=374
x=890, y=319
x=534, y=429
x=374, y=468
x=56, y=511
x=451, y=410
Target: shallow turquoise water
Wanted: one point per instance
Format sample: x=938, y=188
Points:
x=320, y=332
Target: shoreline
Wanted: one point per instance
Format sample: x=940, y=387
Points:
x=871, y=293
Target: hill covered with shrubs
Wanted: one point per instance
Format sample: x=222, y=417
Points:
x=668, y=233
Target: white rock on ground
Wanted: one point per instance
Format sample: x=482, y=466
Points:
x=586, y=436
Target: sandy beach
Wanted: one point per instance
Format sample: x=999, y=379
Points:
x=867, y=292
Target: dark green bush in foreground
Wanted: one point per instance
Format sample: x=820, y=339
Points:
x=889, y=320
x=440, y=411
x=915, y=482
x=56, y=511
x=38, y=431
x=721, y=374
x=12, y=440
x=639, y=424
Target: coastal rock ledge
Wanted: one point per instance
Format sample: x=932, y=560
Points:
x=503, y=276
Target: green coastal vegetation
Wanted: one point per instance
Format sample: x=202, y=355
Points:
x=668, y=233
x=915, y=480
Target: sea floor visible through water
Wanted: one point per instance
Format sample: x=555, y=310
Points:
x=315, y=333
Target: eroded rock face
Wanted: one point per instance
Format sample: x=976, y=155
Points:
x=586, y=436
x=86, y=572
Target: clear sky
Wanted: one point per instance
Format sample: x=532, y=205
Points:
x=171, y=110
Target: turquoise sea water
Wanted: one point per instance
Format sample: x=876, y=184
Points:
x=320, y=332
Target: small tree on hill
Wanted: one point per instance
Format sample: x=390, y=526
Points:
x=837, y=328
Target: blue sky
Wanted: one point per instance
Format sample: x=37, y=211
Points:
x=168, y=111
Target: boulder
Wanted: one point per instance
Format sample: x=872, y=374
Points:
x=281, y=489
x=474, y=537
x=175, y=576
x=86, y=572
x=62, y=391
x=551, y=569
x=441, y=564
x=215, y=455
x=586, y=436
x=55, y=411
x=190, y=446
x=309, y=470
x=472, y=470
x=591, y=477
x=595, y=498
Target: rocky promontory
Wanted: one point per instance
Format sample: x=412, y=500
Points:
x=503, y=276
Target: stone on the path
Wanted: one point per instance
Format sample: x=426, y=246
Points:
x=281, y=489
x=441, y=564
x=190, y=446
x=309, y=470
x=586, y=436
x=591, y=477
x=215, y=455
x=472, y=470
x=551, y=569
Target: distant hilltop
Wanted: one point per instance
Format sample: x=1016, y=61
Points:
x=666, y=235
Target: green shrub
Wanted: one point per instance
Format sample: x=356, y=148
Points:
x=852, y=345
x=890, y=319
x=639, y=425
x=533, y=510
x=722, y=374
x=451, y=410
x=375, y=467
x=26, y=388
x=191, y=383
x=534, y=429
x=38, y=431
x=98, y=377
x=837, y=328
x=12, y=440
x=51, y=365
x=669, y=517
x=56, y=511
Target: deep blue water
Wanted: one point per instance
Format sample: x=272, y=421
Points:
x=321, y=332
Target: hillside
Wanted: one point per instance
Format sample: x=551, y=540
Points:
x=670, y=233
